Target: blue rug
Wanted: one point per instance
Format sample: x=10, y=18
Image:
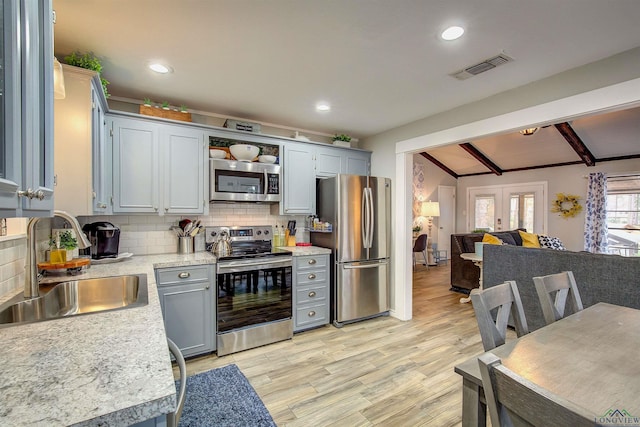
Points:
x=223, y=397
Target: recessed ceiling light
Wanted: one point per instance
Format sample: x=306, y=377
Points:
x=323, y=107
x=159, y=68
x=452, y=33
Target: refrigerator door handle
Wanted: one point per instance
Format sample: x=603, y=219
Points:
x=364, y=226
x=362, y=266
x=371, y=217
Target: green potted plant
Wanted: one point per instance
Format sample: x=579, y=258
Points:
x=342, y=140
x=183, y=108
x=88, y=61
x=165, y=105
x=342, y=137
x=147, y=102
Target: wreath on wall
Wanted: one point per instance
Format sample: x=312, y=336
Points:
x=566, y=205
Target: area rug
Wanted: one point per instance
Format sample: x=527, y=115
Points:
x=223, y=397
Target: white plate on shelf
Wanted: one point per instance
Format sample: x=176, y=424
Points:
x=121, y=257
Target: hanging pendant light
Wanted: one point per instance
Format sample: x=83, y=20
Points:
x=58, y=80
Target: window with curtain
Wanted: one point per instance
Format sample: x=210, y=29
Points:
x=623, y=214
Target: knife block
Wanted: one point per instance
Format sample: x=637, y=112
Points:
x=290, y=240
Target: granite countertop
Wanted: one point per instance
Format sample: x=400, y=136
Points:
x=110, y=368
x=307, y=250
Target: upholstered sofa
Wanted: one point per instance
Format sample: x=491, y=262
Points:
x=464, y=274
x=600, y=278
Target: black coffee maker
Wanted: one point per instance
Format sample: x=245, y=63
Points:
x=104, y=238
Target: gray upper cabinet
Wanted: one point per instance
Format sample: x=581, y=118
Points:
x=357, y=162
x=299, y=180
x=158, y=168
x=186, y=189
x=304, y=162
x=82, y=163
x=329, y=162
x=136, y=161
x=26, y=103
x=101, y=151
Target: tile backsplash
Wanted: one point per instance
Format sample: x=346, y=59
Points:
x=12, y=258
x=139, y=234
x=150, y=234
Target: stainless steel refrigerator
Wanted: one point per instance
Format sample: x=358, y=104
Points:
x=359, y=210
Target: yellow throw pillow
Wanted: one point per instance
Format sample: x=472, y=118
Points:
x=529, y=240
x=491, y=239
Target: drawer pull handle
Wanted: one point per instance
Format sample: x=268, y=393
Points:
x=312, y=313
x=312, y=261
x=312, y=294
x=184, y=275
x=312, y=276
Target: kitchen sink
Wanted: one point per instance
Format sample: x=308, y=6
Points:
x=77, y=297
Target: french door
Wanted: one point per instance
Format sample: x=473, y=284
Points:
x=507, y=207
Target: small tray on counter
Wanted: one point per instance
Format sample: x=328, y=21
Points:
x=73, y=263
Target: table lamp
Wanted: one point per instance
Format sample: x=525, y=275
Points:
x=430, y=209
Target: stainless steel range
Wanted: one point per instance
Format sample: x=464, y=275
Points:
x=254, y=289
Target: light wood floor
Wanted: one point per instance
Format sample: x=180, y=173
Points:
x=381, y=372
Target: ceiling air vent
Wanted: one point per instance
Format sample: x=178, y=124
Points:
x=481, y=67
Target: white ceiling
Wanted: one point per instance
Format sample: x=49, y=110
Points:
x=380, y=63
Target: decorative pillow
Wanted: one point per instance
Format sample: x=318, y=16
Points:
x=506, y=237
x=529, y=240
x=551, y=243
x=492, y=240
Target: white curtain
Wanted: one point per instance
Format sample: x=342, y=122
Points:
x=595, y=223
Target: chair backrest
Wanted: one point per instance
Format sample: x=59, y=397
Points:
x=174, y=417
x=563, y=285
x=516, y=401
x=504, y=299
x=420, y=243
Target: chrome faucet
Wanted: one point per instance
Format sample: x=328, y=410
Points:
x=31, y=287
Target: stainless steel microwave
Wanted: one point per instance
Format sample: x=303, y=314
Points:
x=237, y=181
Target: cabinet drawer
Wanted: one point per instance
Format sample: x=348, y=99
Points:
x=181, y=275
x=311, y=315
x=313, y=261
x=311, y=294
x=311, y=276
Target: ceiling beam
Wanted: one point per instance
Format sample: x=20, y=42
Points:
x=576, y=143
x=469, y=148
x=439, y=164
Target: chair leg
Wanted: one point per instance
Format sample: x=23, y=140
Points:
x=424, y=255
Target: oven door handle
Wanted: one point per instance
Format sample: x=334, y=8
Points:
x=233, y=267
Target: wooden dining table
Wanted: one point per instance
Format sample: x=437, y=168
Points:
x=591, y=358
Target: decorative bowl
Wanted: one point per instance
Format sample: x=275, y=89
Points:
x=217, y=154
x=244, y=152
x=267, y=159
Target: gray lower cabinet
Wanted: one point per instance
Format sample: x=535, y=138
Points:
x=311, y=291
x=187, y=298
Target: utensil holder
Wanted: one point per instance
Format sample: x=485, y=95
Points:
x=185, y=245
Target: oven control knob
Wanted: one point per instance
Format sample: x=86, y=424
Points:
x=266, y=232
x=214, y=234
x=258, y=232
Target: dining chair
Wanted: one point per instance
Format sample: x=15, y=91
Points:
x=515, y=401
x=420, y=245
x=563, y=285
x=503, y=299
x=174, y=417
